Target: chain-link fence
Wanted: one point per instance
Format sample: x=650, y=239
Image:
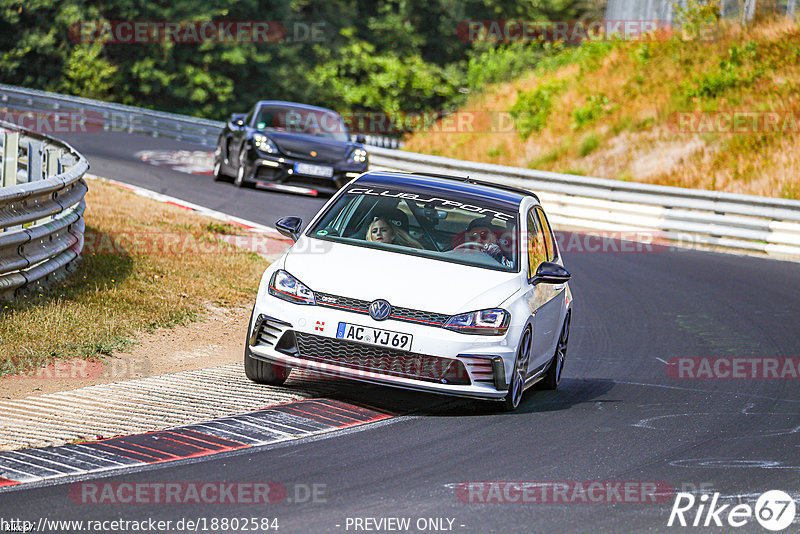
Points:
x=667, y=10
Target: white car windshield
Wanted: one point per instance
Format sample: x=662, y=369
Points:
x=442, y=226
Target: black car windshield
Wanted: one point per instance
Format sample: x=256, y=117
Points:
x=322, y=123
x=439, y=226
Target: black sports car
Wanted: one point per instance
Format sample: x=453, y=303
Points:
x=290, y=147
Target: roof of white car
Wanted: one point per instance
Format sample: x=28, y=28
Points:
x=461, y=186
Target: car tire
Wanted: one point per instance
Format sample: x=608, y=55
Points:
x=517, y=386
x=217, y=172
x=261, y=372
x=241, y=169
x=553, y=376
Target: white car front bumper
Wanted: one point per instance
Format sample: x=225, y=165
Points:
x=439, y=360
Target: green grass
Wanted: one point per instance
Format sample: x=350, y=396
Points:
x=532, y=109
x=589, y=144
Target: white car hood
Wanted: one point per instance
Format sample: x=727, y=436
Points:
x=401, y=279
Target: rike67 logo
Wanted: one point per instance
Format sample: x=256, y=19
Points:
x=774, y=510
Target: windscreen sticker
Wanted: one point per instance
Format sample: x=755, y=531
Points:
x=443, y=202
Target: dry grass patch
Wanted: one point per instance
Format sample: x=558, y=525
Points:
x=610, y=110
x=146, y=265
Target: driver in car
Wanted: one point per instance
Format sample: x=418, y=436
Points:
x=484, y=234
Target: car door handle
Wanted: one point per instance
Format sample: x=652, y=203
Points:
x=558, y=287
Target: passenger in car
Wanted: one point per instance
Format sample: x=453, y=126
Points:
x=382, y=231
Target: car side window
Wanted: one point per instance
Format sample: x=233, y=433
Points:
x=548, y=234
x=537, y=251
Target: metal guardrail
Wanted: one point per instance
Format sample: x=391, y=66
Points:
x=688, y=216
x=95, y=115
x=41, y=210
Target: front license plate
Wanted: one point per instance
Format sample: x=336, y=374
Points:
x=313, y=170
x=374, y=336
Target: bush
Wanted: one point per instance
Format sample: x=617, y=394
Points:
x=595, y=106
x=698, y=18
x=733, y=71
x=589, y=144
x=494, y=64
x=531, y=110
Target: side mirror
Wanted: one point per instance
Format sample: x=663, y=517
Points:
x=361, y=139
x=550, y=273
x=290, y=227
x=237, y=119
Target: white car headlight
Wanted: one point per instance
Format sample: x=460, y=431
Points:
x=358, y=155
x=483, y=323
x=285, y=286
x=265, y=144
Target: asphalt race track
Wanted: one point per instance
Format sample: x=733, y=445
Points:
x=622, y=414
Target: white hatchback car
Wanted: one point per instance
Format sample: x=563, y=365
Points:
x=424, y=282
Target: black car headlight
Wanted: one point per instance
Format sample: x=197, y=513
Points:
x=357, y=156
x=285, y=286
x=265, y=144
x=492, y=322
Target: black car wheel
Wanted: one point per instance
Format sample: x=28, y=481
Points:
x=261, y=372
x=517, y=386
x=553, y=376
x=241, y=170
x=217, y=173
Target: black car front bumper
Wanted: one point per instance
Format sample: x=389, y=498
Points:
x=280, y=172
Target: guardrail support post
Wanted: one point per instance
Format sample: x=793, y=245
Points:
x=35, y=161
x=35, y=168
x=52, y=166
x=10, y=151
x=51, y=162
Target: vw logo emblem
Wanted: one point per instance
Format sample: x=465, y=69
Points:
x=380, y=310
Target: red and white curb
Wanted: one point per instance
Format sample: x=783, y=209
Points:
x=261, y=427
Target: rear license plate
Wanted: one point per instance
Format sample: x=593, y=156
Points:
x=374, y=336
x=313, y=170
